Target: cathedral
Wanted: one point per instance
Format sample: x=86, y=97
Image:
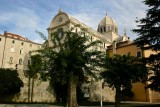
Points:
x=107, y=33
x=107, y=30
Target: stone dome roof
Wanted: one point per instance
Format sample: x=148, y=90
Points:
x=107, y=21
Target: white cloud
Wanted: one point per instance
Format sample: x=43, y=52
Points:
x=24, y=22
x=38, y=41
x=87, y=19
x=22, y=19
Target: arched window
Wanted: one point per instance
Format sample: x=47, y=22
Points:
x=11, y=60
x=101, y=30
x=21, y=51
x=112, y=29
x=104, y=29
x=20, y=61
x=29, y=62
x=60, y=32
x=12, y=49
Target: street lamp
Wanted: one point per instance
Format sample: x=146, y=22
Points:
x=102, y=87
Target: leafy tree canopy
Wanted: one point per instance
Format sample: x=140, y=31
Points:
x=149, y=38
x=149, y=27
x=121, y=71
x=70, y=59
x=71, y=56
x=34, y=65
x=10, y=83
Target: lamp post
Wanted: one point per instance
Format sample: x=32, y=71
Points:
x=102, y=87
x=101, y=98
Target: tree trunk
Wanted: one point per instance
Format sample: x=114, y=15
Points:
x=118, y=96
x=29, y=91
x=32, y=91
x=72, y=95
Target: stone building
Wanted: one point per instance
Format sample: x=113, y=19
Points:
x=15, y=51
x=15, y=54
x=140, y=92
x=107, y=32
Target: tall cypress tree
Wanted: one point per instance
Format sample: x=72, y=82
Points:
x=149, y=38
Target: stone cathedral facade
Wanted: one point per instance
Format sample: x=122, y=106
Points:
x=107, y=32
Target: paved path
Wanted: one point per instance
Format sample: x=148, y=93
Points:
x=125, y=104
x=27, y=105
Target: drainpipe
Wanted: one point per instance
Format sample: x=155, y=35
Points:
x=4, y=47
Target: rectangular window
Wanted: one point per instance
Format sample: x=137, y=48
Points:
x=0, y=39
x=139, y=54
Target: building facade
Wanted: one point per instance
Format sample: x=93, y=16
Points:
x=15, y=51
x=139, y=90
x=15, y=54
x=107, y=32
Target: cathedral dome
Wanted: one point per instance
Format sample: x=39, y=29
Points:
x=107, y=24
x=107, y=21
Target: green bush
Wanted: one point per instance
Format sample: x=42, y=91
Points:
x=10, y=84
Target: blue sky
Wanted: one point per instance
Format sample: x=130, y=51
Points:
x=24, y=17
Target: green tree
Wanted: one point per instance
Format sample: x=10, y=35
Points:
x=121, y=71
x=10, y=83
x=149, y=38
x=34, y=67
x=69, y=60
